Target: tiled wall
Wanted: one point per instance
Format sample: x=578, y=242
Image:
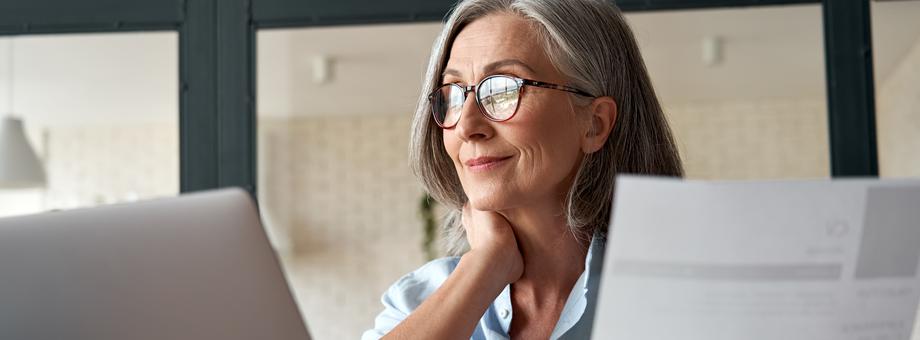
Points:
x=98, y=164
x=764, y=139
x=340, y=187
x=89, y=165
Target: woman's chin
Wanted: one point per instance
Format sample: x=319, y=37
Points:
x=490, y=203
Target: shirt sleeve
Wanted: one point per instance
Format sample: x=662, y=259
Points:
x=408, y=293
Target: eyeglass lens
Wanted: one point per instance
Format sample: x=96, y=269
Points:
x=498, y=96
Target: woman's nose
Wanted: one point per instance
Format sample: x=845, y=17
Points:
x=473, y=124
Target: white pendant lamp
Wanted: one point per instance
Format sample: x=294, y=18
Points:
x=19, y=165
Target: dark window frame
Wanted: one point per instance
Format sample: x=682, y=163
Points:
x=217, y=64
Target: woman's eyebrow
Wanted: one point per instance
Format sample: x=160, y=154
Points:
x=491, y=67
x=451, y=72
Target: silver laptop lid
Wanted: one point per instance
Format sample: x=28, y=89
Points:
x=197, y=266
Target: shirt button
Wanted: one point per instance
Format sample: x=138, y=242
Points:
x=505, y=313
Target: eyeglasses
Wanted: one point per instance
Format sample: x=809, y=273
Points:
x=497, y=96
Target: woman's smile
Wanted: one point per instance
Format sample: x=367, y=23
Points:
x=485, y=163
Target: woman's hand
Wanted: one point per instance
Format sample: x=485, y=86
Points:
x=492, y=263
x=492, y=242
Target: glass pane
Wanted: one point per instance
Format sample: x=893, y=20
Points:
x=896, y=40
x=334, y=110
x=101, y=113
x=744, y=89
x=335, y=106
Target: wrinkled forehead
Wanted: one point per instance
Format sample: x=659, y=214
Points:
x=493, y=39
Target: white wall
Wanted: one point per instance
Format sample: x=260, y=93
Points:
x=898, y=118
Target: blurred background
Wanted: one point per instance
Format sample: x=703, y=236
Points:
x=744, y=89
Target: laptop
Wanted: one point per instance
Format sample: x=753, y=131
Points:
x=197, y=266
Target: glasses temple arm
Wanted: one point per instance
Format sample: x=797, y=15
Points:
x=557, y=87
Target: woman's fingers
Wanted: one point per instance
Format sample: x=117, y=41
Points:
x=485, y=229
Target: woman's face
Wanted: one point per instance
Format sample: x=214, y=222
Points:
x=533, y=156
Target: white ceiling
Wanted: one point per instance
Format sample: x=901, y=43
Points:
x=769, y=52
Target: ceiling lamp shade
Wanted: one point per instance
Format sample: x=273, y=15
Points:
x=19, y=165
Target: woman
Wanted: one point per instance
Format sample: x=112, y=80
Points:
x=529, y=110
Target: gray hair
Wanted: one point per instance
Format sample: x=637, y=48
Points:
x=590, y=43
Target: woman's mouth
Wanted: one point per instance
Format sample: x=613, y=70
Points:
x=485, y=163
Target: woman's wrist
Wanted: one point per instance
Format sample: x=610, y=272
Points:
x=490, y=266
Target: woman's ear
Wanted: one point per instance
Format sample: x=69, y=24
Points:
x=603, y=112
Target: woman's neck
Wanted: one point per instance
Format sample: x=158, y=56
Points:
x=553, y=257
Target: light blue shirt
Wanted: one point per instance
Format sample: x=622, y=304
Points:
x=575, y=321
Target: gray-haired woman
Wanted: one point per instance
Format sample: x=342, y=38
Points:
x=529, y=110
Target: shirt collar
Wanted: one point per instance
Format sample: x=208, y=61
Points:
x=576, y=302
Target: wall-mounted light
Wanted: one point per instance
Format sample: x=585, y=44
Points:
x=712, y=50
x=322, y=69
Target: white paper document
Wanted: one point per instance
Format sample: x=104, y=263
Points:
x=818, y=260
